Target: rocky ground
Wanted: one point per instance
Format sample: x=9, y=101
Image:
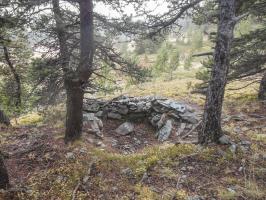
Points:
x=136, y=165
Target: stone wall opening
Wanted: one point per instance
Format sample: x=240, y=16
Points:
x=169, y=119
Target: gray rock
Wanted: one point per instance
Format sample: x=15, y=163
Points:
x=70, y=156
x=190, y=168
x=183, y=178
x=113, y=115
x=94, y=124
x=141, y=107
x=85, y=179
x=88, y=117
x=155, y=119
x=128, y=147
x=221, y=152
x=132, y=107
x=125, y=128
x=165, y=131
x=175, y=115
x=114, y=143
x=183, y=169
x=122, y=109
x=196, y=197
x=99, y=114
x=92, y=107
x=161, y=122
x=160, y=109
x=245, y=143
x=189, y=117
x=181, y=129
x=244, y=148
x=225, y=139
x=128, y=172
x=233, y=148
x=83, y=150
x=144, y=177
x=100, y=144
x=61, y=178
x=137, y=142
x=163, y=105
x=231, y=190
x=237, y=130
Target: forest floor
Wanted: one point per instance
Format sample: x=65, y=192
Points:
x=137, y=166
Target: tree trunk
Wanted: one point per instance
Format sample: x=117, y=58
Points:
x=76, y=79
x=4, y=180
x=86, y=40
x=211, y=126
x=74, y=114
x=74, y=87
x=262, y=90
x=16, y=77
x=4, y=119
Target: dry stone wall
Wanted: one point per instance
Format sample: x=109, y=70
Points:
x=164, y=114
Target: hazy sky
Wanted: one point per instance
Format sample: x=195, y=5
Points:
x=155, y=6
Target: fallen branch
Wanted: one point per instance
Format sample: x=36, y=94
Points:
x=187, y=142
x=257, y=127
x=75, y=191
x=193, y=129
x=32, y=148
x=203, y=54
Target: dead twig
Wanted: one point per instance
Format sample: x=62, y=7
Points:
x=188, y=156
x=257, y=116
x=75, y=191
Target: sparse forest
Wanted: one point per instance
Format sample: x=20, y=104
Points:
x=133, y=99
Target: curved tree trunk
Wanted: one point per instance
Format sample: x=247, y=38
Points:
x=4, y=180
x=262, y=90
x=211, y=126
x=16, y=77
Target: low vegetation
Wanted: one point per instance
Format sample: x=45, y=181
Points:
x=164, y=171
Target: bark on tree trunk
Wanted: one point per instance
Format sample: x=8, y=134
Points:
x=16, y=77
x=74, y=114
x=4, y=180
x=4, y=119
x=262, y=90
x=76, y=79
x=74, y=87
x=211, y=127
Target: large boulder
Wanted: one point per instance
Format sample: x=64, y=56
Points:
x=125, y=128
